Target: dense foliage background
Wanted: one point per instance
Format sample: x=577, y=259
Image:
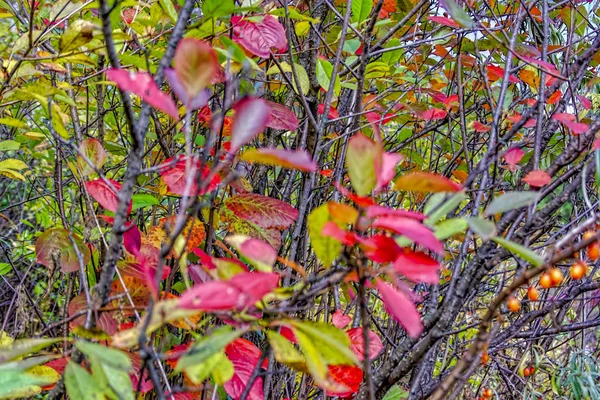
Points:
x=266, y=199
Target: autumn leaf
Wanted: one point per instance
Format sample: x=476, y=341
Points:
x=401, y=308
x=537, y=178
x=425, y=182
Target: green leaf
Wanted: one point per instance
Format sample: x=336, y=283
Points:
x=207, y=347
x=79, y=33
x=13, y=122
x=24, y=347
x=223, y=371
x=511, y=201
x=141, y=200
x=450, y=227
x=9, y=145
x=324, y=73
x=395, y=393
x=168, y=7
x=360, y=161
x=326, y=248
x=520, y=251
x=300, y=71
x=284, y=351
x=333, y=344
x=483, y=227
x=217, y=365
x=111, y=357
x=17, y=383
x=458, y=13
x=440, y=204
x=217, y=8
x=80, y=384
x=116, y=379
x=293, y=14
x=361, y=9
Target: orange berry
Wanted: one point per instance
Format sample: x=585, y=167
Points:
x=556, y=276
x=531, y=370
x=533, y=294
x=588, y=235
x=526, y=372
x=487, y=393
x=513, y=304
x=578, y=270
x=545, y=281
x=593, y=251
x=485, y=358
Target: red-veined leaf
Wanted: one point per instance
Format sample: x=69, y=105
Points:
x=401, y=308
x=92, y=149
x=417, y=266
x=251, y=115
x=102, y=192
x=414, y=230
x=260, y=37
x=58, y=241
x=357, y=344
x=281, y=117
x=244, y=356
x=537, y=178
x=175, y=176
x=347, y=379
x=142, y=85
x=298, y=159
x=425, y=182
x=340, y=320
x=262, y=211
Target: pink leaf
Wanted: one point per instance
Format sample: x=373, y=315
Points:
x=401, y=308
x=512, y=158
x=281, y=117
x=195, y=64
x=413, y=230
x=261, y=254
x=142, y=85
x=251, y=115
x=375, y=211
x=481, y=128
x=132, y=238
x=260, y=37
x=585, y=102
x=254, y=286
x=444, y=21
x=299, y=159
x=433, y=114
x=263, y=211
x=175, y=176
x=537, y=178
x=331, y=229
x=332, y=114
x=244, y=356
x=210, y=296
x=340, y=320
x=569, y=120
x=385, y=168
x=357, y=344
x=417, y=266
x=101, y=191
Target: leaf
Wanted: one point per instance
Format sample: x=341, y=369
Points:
x=417, y=266
x=79, y=33
x=285, y=352
x=444, y=21
x=9, y=145
x=483, y=227
x=17, y=383
x=425, y=182
x=570, y=121
x=349, y=378
x=395, y=393
x=260, y=254
x=207, y=347
x=413, y=230
x=262, y=211
x=92, y=149
x=217, y=8
x=436, y=207
x=24, y=347
x=142, y=200
x=235, y=224
x=361, y=9
x=324, y=72
x=110, y=377
x=57, y=241
x=195, y=65
x=521, y=251
x=175, y=174
x=401, y=308
x=10, y=166
x=360, y=161
x=101, y=190
x=385, y=168
x=260, y=37
x=217, y=365
x=457, y=13
x=114, y=358
x=13, y=123
x=303, y=79
x=244, y=356
x=340, y=320
x=142, y=85
x=167, y=5
x=357, y=344
x=80, y=384
x=299, y=159
x=281, y=117
x=449, y=228
x=537, y=178
x=326, y=248
x=251, y=115
x=512, y=158
x=511, y=201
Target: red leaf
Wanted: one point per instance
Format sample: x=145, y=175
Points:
x=401, y=308
x=281, y=117
x=380, y=248
x=537, y=178
x=444, y=21
x=362, y=201
x=425, y=182
x=142, y=85
x=132, y=238
x=340, y=320
x=569, y=120
x=251, y=116
x=357, y=344
x=494, y=73
x=299, y=159
x=262, y=211
x=556, y=96
x=102, y=192
x=288, y=333
x=385, y=168
x=585, y=102
x=413, y=230
x=244, y=356
x=479, y=127
x=253, y=249
x=254, y=286
x=348, y=379
x=417, y=266
x=332, y=114
x=375, y=211
x=512, y=158
x=331, y=229
x=106, y=320
x=195, y=64
x=433, y=114
x=175, y=176
x=260, y=37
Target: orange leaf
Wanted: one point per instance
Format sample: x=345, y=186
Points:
x=425, y=182
x=537, y=178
